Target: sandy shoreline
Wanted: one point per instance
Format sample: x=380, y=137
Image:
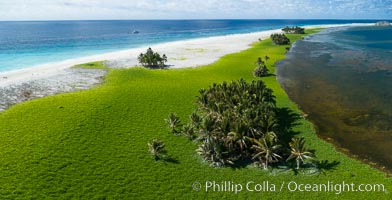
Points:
x=48, y=79
x=185, y=53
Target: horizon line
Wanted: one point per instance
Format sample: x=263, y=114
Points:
x=178, y=19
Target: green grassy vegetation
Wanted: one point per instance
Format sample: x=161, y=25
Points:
x=180, y=58
x=196, y=50
x=92, y=65
x=93, y=144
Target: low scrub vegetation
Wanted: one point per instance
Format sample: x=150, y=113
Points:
x=261, y=69
x=293, y=30
x=280, y=39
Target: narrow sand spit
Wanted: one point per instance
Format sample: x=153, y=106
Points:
x=21, y=85
x=69, y=80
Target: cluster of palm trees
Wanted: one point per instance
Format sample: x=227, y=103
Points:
x=237, y=121
x=280, y=39
x=261, y=69
x=293, y=30
x=152, y=59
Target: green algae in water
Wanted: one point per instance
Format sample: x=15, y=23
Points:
x=342, y=78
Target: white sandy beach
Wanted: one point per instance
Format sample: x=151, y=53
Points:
x=49, y=79
x=187, y=53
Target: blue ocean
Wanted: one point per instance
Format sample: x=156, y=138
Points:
x=26, y=44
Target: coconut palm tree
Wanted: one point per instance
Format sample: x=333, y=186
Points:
x=298, y=151
x=195, y=119
x=164, y=57
x=234, y=120
x=207, y=128
x=268, y=123
x=259, y=62
x=268, y=99
x=266, y=149
x=260, y=71
x=152, y=59
x=237, y=138
x=174, y=123
x=266, y=58
x=286, y=29
x=214, y=151
x=141, y=59
x=157, y=149
x=280, y=39
x=189, y=131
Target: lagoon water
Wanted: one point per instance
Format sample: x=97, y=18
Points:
x=26, y=44
x=342, y=78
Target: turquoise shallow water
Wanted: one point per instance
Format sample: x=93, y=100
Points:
x=342, y=78
x=25, y=44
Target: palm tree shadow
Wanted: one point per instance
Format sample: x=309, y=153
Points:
x=287, y=119
x=313, y=168
x=167, y=66
x=325, y=165
x=169, y=159
x=268, y=75
x=159, y=67
x=241, y=163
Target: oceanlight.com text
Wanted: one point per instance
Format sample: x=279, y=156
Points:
x=291, y=186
